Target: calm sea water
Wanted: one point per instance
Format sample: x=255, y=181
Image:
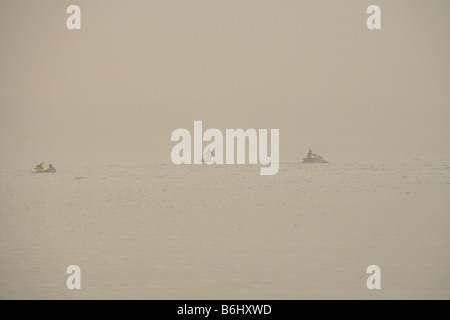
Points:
x=160, y=231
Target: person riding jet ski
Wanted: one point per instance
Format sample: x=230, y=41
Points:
x=313, y=158
x=40, y=169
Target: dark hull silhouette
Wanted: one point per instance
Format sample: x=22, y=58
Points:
x=317, y=159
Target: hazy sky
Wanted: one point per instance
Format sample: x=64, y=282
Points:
x=141, y=69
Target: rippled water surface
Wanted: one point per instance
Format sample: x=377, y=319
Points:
x=159, y=231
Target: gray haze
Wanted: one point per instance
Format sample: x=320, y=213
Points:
x=310, y=68
x=101, y=104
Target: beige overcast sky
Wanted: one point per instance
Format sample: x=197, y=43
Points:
x=141, y=69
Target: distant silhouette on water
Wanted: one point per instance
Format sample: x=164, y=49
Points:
x=313, y=158
x=40, y=169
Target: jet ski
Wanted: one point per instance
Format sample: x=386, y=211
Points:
x=315, y=159
x=40, y=169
